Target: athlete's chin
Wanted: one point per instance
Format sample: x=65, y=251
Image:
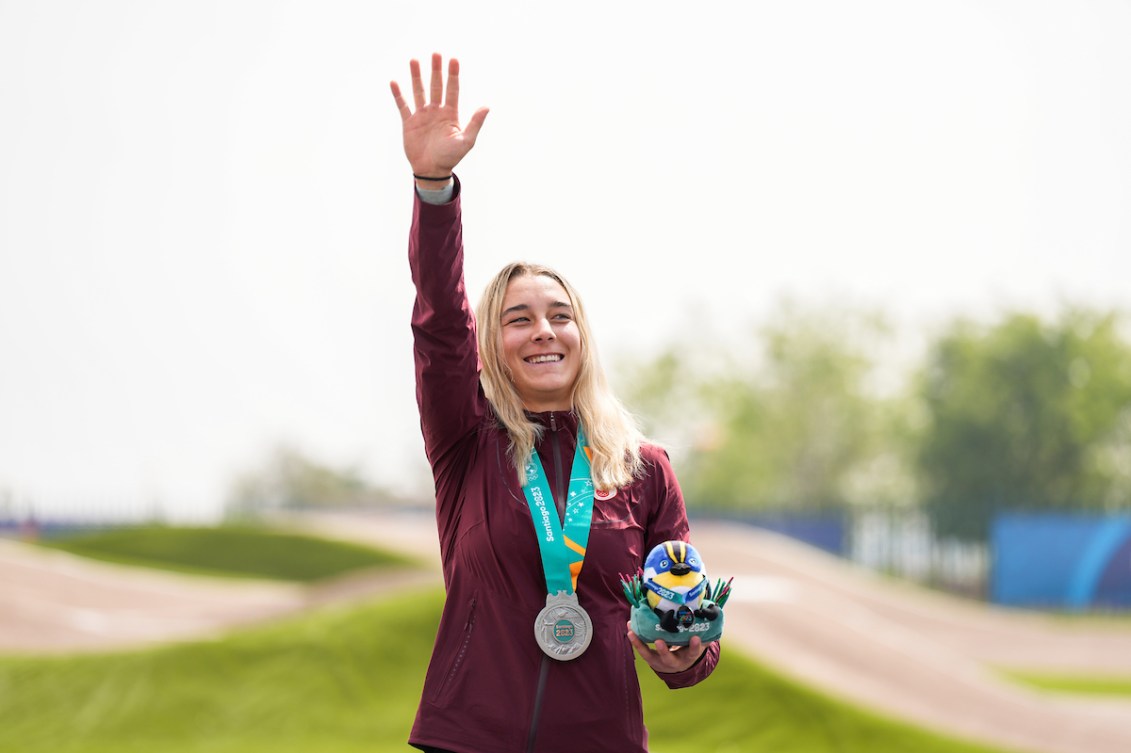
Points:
x=546, y=401
x=556, y=391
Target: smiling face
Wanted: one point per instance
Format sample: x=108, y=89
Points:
x=541, y=342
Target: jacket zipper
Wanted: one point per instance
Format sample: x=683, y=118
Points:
x=467, y=628
x=559, y=504
x=540, y=689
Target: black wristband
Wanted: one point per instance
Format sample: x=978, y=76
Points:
x=426, y=177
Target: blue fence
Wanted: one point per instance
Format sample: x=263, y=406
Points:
x=31, y=530
x=1065, y=561
x=827, y=531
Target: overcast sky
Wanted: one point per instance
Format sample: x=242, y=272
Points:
x=204, y=205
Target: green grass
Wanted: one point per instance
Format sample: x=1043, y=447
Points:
x=745, y=708
x=1090, y=620
x=328, y=681
x=1085, y=685
x=227, y=551
x=322, y=682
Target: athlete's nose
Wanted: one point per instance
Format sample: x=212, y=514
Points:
x=543, y=330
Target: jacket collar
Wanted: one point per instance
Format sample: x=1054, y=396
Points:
x=556, y=420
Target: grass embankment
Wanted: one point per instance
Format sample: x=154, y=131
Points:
x=227, y=551
x=340, y=681
x=348, y=680
x=330, y=681
x=1079, y=684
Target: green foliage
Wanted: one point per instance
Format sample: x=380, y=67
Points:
x=1026, y=414
x=331, y=681
x=796, y=426
x=228, y=550
x=289, y=480
x=794, y=421
x=1019, y=414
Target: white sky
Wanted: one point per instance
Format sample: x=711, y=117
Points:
x=204, y=205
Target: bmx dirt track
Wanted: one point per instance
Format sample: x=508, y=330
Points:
x=914, y=655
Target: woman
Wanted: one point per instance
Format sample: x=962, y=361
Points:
x=531, y=652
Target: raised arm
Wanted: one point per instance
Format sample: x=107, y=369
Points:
x=434, y=141
x=447, y=376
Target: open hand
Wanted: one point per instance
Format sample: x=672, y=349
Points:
x=664, y=658
x=434, y=142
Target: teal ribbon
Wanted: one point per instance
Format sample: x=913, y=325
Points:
x=562, y=547
x=675, y=596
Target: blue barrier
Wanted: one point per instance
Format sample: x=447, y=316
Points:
x=827, y=531
x=1066, y=561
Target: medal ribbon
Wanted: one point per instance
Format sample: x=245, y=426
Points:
x=562, y=547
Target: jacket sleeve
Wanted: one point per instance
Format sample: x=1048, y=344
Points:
x=443, y=328
x=668, y=521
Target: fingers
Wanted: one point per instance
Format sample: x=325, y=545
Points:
x=675, y=658
x=435, y=85
x=437, y=109
x=402, y=106
x=417, y=84
x=437, y=80
x=641, y=649
x=453, y=85
x=647, y=653
x=665, y=658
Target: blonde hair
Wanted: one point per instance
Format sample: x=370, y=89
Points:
x=613, y=438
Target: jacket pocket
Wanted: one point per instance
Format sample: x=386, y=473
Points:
x=452, y=673
x=617, y=524
x=615, y=546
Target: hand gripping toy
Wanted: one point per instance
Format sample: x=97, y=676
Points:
x=672, y=599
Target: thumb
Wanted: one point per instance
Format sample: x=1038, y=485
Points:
x=471, y=130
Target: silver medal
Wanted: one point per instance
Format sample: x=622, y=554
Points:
x=563, y=629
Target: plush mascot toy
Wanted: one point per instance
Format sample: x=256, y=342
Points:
x=672, y=599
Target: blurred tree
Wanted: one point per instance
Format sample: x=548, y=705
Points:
x=289, y=480
x=1026, y=414
x=794, y=421
x=793, y=427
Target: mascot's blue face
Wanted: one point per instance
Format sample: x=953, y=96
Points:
x=676, y=557
x=674, y=567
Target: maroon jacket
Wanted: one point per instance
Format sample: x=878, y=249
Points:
x=489, y=688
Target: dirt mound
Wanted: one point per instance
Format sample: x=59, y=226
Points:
x=54, y=602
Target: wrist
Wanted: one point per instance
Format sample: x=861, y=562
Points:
x=435, y=181
x=442, y=195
